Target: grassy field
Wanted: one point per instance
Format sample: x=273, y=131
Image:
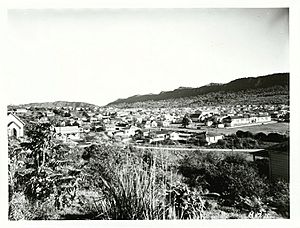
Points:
x=281, y=128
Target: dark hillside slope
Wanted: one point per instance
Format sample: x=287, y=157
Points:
x=250, y=83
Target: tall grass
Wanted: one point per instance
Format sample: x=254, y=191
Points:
x=147, y=189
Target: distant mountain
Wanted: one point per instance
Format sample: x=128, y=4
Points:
x=242, y=84
x=58, y=104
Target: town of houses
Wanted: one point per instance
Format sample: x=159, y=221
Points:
x=173, y=126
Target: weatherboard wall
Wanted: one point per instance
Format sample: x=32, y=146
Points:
x=279, y=164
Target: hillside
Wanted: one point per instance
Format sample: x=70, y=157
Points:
x=58, y=104
x=250, y=88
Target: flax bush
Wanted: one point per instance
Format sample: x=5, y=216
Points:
x=142, y=186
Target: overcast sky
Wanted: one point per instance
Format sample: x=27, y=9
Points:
x=98, y=56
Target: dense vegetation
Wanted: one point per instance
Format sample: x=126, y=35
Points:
x=248, y=140
x=237, y=180
x=220, y=93
x=52, y=181
x=273, y=95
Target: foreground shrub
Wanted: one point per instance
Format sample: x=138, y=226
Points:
x=183, y=203
x=143, y=186
x=232, y=176
x=279, y=197
x=130, y=194
x=22, y=209
x=44, y=173
x=240, y=183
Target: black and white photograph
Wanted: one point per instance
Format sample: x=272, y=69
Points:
x=148, y=113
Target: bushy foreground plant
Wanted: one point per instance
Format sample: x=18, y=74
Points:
x=278, y=197
x=141, y=186
x=50, y=181
x=41, y=172
x=236, y=180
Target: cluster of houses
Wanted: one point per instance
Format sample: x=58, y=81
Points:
x=143, y=125
x=159, y=135
x=148, y=126
x=221, y=121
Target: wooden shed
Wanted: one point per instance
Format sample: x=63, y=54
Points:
x=279, y=157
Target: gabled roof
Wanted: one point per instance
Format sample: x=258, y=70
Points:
x=12, y=122
x=15, y=116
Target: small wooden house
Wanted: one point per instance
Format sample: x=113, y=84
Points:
x=156, y=136
x=279, y=160
x=213, y=137
x=279, y=156
x=15, y=126
x=68, y=132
